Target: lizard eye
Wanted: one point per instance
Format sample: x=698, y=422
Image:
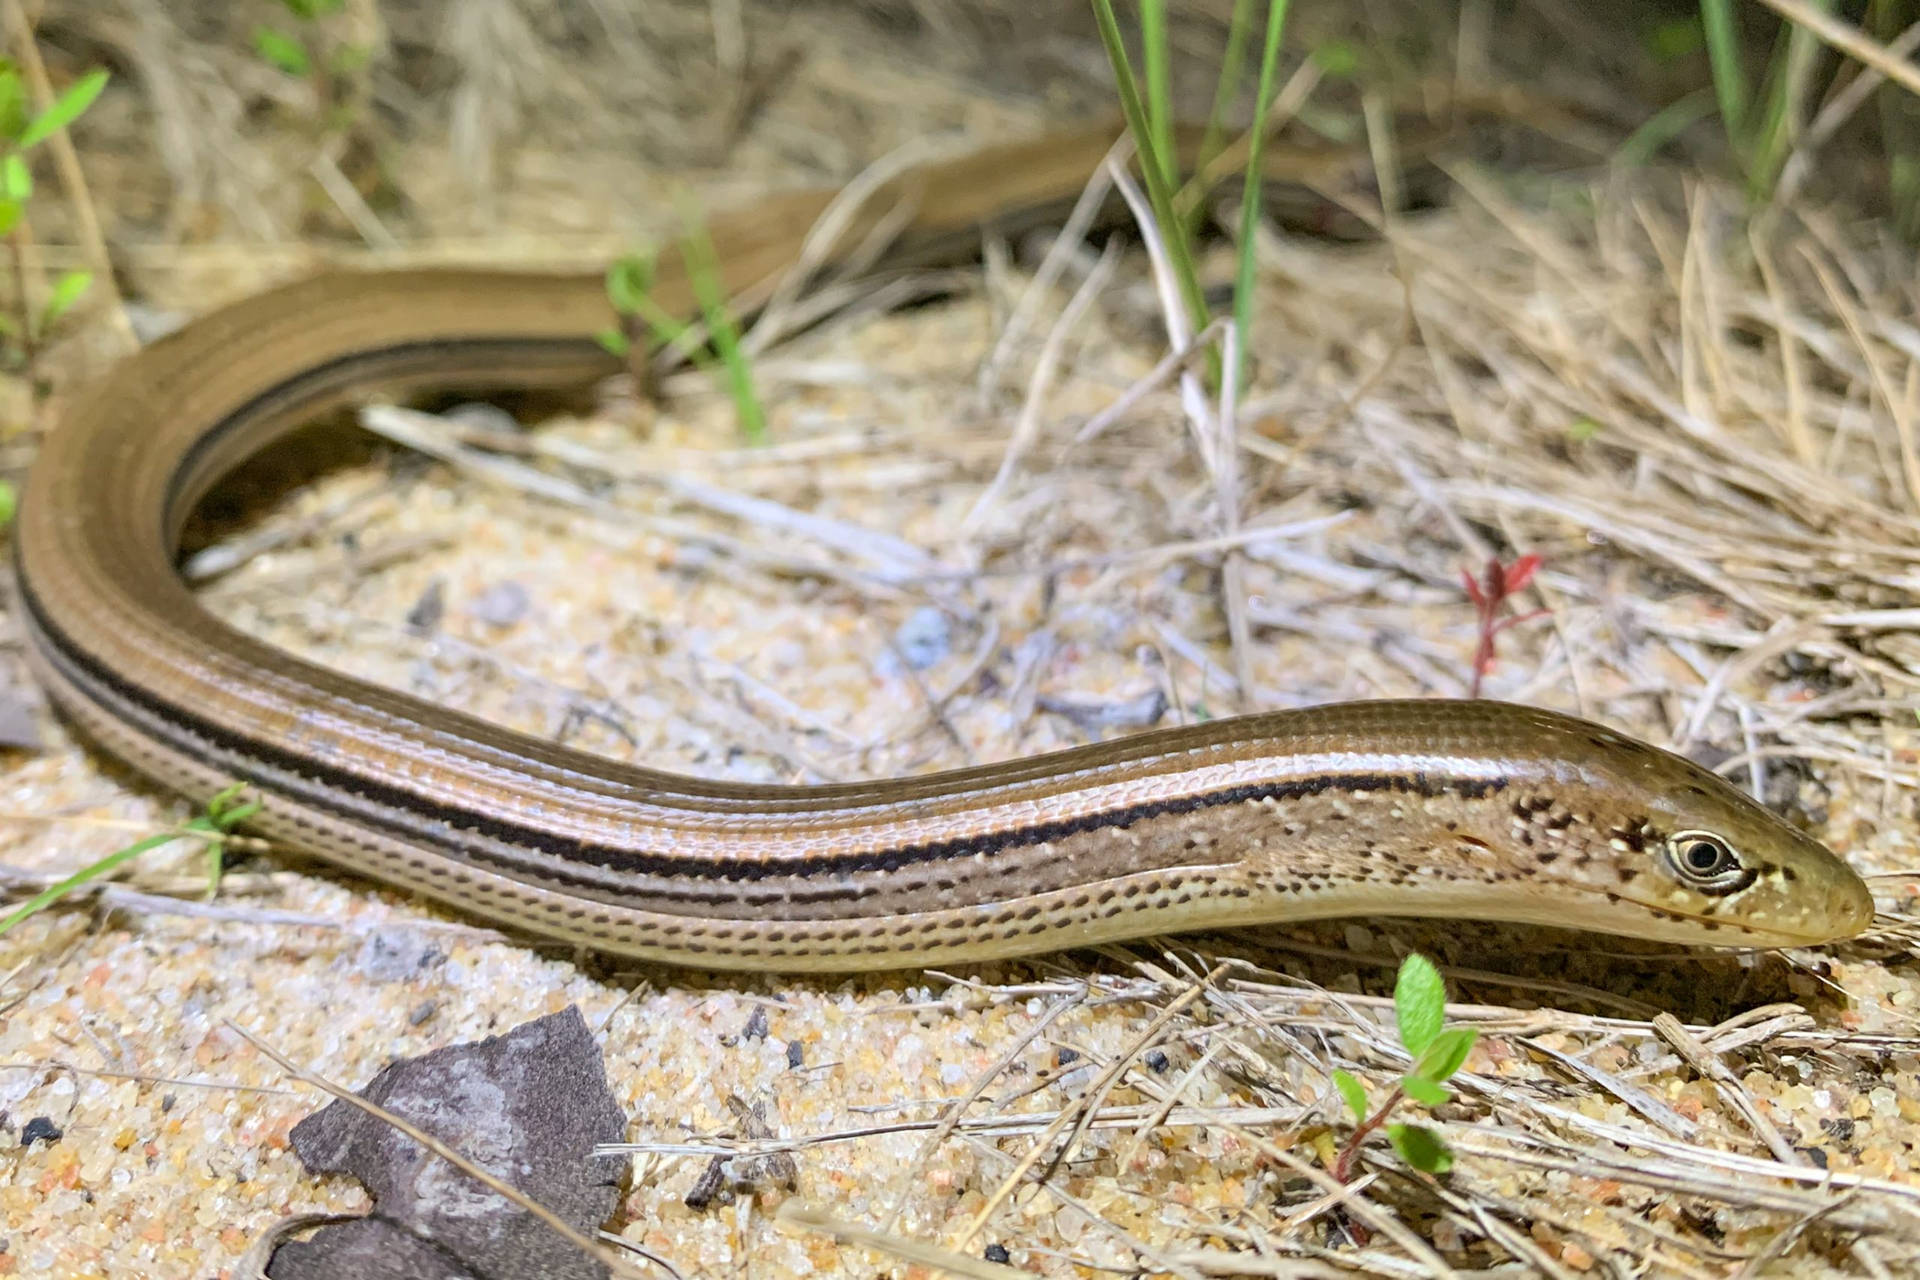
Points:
x=1707, y=863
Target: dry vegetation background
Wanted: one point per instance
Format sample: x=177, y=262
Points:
x=1708, y=426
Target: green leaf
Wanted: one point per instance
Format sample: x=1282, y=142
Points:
x=1671, y=41
x=282, y=50
x=311, y=9
x=10, y=211
x=225, y=810
x=1420, y=1147
x=629, y=281
x=1419, y=1003
x=1337, y=58
x=9, y=503
x=614, y=341
x=1583, y=430
x=1446, y=1053
x=66, y=291
x=1423, y=1090
x=1355, y=1094
x=65, y=109
x=13, y=100
x=16, y=180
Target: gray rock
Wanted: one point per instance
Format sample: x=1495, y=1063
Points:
x=528, y=1106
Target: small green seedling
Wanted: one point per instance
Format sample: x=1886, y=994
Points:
x=20, y=132
x=286, y=52
x=314, y=50
x=1439, y=1051
x=630, y=290
x=216, y=822
x=291, y=52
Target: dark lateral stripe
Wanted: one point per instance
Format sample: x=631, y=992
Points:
x=446, y=358
x=328, y=781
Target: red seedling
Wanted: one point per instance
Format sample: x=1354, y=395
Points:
x=1488, y=593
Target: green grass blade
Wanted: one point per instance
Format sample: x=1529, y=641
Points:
x=1729, y=72
x=703, y=270
x=1250, y=192
x=223, y=813
x=1152, y=167
x=1788, y=85
x=1233, y=66
x=83, y=877
x=1666, y=124
x=1153, y=43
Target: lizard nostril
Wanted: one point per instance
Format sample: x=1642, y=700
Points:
x=1852, y=905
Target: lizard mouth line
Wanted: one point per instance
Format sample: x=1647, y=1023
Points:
x=1760, y=935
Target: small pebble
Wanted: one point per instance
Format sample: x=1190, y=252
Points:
x=39, y=1129
x=482, y=416
x=502, y=604
x=396, y=955
x=924, y=638
x=19, y=721
x=151, y=323
x=427, y=611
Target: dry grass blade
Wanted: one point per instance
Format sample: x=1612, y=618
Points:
x=1026, y=427
x=1106, y=1081
x=794, y=1213
x=1707, y=425
x=1850, y=41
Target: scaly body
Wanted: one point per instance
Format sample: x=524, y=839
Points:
x=1440, y=809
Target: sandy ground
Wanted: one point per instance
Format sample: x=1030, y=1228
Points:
x=1697, y=436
